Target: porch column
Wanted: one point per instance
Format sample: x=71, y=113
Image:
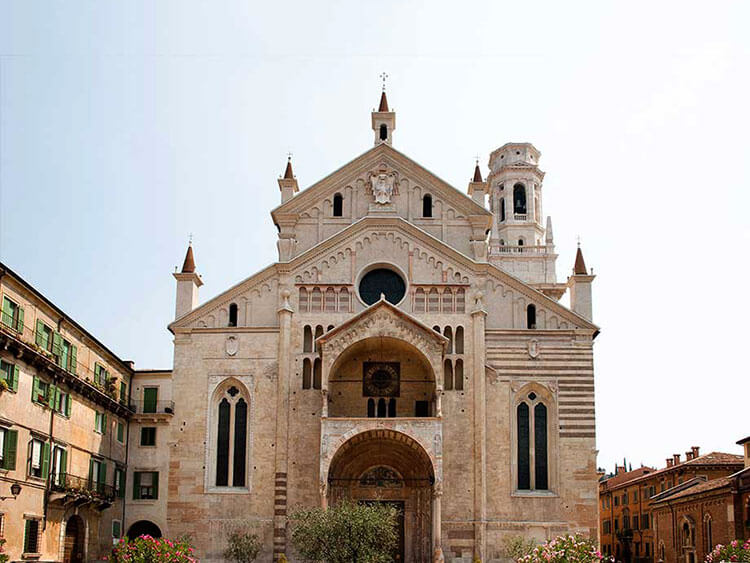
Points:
x=478, y=317
x=437, y=540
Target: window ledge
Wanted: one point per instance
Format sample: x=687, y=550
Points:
x=31, y=556
x=228, y=490
x=534, y=494
x=146, y=501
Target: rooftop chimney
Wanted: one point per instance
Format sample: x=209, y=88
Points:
x=676, y=458
x=696, y=451
x=670, y=462
x=688, y=456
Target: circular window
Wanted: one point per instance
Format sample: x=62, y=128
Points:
x=381, y=281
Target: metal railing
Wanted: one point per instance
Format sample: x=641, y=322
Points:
x=12, y=322
x=67, y=483
x=521, y=249
x=152, y=407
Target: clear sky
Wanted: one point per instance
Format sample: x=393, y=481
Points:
x=125, y=126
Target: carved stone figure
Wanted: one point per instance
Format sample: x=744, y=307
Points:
x=382, y=187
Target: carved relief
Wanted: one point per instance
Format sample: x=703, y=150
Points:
x=232, y=345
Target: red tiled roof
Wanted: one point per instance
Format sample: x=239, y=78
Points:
x=627, y=476
x=697, y=489
x=714, y=458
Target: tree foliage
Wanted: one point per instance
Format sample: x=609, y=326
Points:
x=243, y=547
x=515, y=547
x=348, y=532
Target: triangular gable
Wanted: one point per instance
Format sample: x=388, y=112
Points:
x=383, y=305
x=349, y=171
x=321, y=250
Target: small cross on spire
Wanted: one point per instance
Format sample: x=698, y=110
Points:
x=190, y=238
x=384, y=77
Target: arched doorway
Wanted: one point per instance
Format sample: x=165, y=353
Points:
x=74, y=546
x=388, y=466
x=144, y=528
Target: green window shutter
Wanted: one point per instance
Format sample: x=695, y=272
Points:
x=6, y=306
x=104, y=424
x=121, y=488
x=64, y=463
x=16, y=377
x=115, y=529
x=35, y=389
x=73, y=358
x=149, y=399
x=123, y=391
x=45, y=459
x=11, y=446
x=102, y=479
x=91, y=470
x=20, y=319
x=56, y=344
x=156, y=484
x=120, y=432
x=136, y=485
x=39, y=333
x=97, y=367
x=51, y=398
x=67, y=405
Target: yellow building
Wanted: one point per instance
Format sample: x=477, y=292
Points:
x=64, y=412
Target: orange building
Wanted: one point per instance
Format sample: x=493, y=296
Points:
x=625, y=517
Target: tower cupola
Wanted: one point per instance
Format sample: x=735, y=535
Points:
x=188, y=282
x=288, y=183
x=383, y=120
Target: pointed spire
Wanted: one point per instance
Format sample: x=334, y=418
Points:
x=188, y=267
x=383, y=102
x=580, y=266
x=548, y=235
x=477, y=173
x=288, y=174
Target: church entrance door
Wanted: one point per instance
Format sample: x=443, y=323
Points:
x=389, y=467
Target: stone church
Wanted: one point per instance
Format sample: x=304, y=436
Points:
x=408, y=347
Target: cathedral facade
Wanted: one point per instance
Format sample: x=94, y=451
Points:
x=408, y=347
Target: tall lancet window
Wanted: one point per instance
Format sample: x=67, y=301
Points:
x=229, y=436
x=502, y=209
x=383, y=132
x=519, y=199
x=338, y=205
x=532, y=444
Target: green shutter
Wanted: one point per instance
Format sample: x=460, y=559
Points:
x=20, y=319
x=123, y=391
x=102, y=479
x=156, y=484
x=67, y=405
x=57, y=344
x=91, y=471
x=120, y=432
x=115, y=529
x=149, y=399
x=6, y=306
x=40, y=333
x=45, y=459
x=63, y=470
x=136, y=485
x=11, y=446
x=73, y=358
x=51, y=398
x=16, y=376
x=104, y=424
x=35, y=389
x=121, y=488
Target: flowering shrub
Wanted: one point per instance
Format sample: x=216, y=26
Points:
x=565, y=549
x=735, y=551
x=145, y=549
x=3, y=556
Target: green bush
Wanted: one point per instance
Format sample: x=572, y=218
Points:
x=346, y=533
x=243, y=547
x=3, y=556
x=515, y=547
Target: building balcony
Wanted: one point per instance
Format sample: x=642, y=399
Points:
x=515, y=249
x=152, y=410
x=76, y=491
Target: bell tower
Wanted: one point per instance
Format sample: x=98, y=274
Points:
x=383, y=120
x=519, y=241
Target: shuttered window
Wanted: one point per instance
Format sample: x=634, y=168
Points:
x=10, y=373
x=31, y=536
x=8, y=447
x=12, y=315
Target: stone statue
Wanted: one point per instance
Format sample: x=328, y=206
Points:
x=438, y=557
x=382, y=187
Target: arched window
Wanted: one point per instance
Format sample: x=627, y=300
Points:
x=370, y=408
x=338, y=205
x=458, y=376
x=460, y=300
x=419, y=301
x=381, y=408
x=330, y=300
x=532, y=436
x=433, y=301
x=232, y=314
x=383, y=132
x=709, y=533
x=522, y=423
x=519, y=199
x=318, y=334
x=304, y=303
x=447, y=376
x=502, y=209
x=329, y=328
x=392, y=408
x=459, y=340
x=531, y=316
x=427, y=206
x=307, y=340
x=306, y=373
x=448, y=333
x=229, y=434
x=316, y=300
x=317, y=374
x=344, y=300
x=447, y=300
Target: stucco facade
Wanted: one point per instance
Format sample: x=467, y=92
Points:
x=464, y=393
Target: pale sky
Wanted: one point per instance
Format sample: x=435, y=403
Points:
x=125, y=126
